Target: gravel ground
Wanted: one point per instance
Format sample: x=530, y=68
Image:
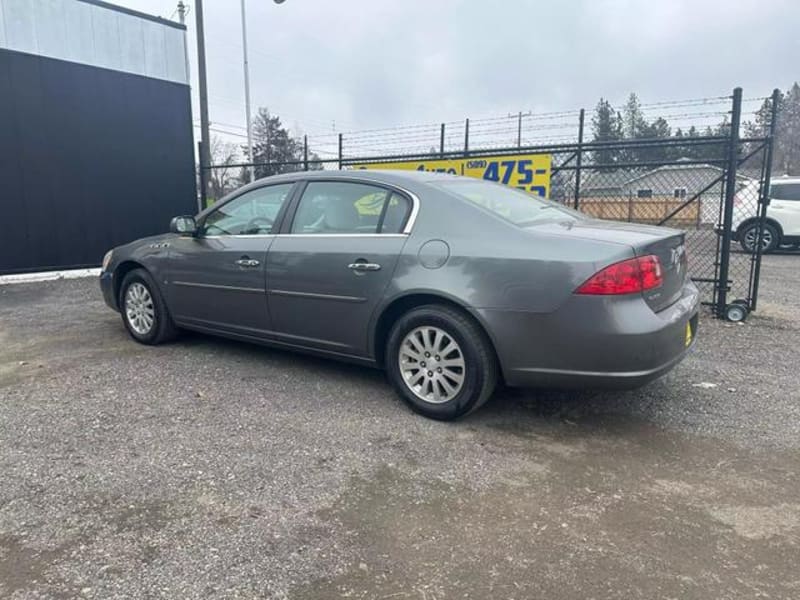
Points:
x=213, y=469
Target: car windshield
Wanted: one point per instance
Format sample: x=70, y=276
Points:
x=518, y=207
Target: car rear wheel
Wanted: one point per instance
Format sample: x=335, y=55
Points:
x=440, y=362
x=144, y=312
x=769, y=238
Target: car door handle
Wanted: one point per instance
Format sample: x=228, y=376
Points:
x=364, y=266
x=247, y=262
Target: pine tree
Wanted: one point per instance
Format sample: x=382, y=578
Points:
x=658, y=129
x=273, y=146
x=634, y=124
x=606, y=127
x=710, y=151
x=689, y=151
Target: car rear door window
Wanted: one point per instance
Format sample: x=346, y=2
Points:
x=395, y=214
x=252, y=213
x=339, y=207
x=785, y=191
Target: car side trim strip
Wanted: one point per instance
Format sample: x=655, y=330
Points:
x=309, y=235
x=260, y=334
x=238, y=236
x=354, y=299
x=259, y=337
x=212, y=286
x=344, y=235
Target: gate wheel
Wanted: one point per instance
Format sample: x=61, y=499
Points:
x=736, y=312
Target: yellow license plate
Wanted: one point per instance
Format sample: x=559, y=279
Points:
x=688, y=334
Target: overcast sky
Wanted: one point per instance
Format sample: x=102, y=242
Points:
x=376, y=63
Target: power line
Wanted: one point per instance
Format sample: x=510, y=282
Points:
x=217, y=130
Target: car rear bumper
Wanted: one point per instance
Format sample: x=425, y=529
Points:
x=593, y=341
x=107, y=287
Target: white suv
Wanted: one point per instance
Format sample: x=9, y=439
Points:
x=782, y=226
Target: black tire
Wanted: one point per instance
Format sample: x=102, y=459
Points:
x=163, y=328
x=736, y=312
x=480, y=372
x=770, y=232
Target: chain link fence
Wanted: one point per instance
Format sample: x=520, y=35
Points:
x=698, y=174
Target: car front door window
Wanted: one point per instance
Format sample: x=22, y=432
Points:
x=252, y=213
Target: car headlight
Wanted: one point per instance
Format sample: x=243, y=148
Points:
x=107, y=259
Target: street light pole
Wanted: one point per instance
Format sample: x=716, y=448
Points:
x=251, y=170
x=247, y=93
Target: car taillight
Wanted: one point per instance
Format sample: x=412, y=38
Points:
x=626, y=277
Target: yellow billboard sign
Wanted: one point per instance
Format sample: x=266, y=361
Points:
x=529, y=172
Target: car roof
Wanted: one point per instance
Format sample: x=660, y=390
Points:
x=388, y=176
x=409, y=181
x=784, y=179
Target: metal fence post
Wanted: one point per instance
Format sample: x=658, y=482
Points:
x=727, y=217
x=519, y=130
x=579, y=160
x=441, y=141
x=764, y=199
x=466, y=138
x=340, y=151
x=268, y=149
x=305, y=153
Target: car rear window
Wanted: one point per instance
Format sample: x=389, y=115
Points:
x=518, y=207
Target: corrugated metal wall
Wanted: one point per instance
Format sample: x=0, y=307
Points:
x=90, y=157
x=93, y=34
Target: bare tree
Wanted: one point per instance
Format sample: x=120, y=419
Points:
x=222, y=178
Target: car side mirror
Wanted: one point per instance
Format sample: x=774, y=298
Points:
x=185, y=225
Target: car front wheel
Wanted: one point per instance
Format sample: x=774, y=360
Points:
x=144, y=312
x=440, y=362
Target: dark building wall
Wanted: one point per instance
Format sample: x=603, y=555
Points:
x=90, y=158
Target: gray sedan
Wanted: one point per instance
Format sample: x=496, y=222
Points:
x=450, y=284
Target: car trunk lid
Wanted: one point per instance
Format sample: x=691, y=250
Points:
x=665, y=243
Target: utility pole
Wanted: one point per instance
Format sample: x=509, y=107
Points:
x=251, y=170
x=182, y=20
x=205, y=153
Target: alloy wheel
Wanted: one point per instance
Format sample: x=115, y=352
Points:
x=751, y=236
x=432, y=364
x=139, y=308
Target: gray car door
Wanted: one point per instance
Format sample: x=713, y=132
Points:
x=329, y=268
x=216, y=278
